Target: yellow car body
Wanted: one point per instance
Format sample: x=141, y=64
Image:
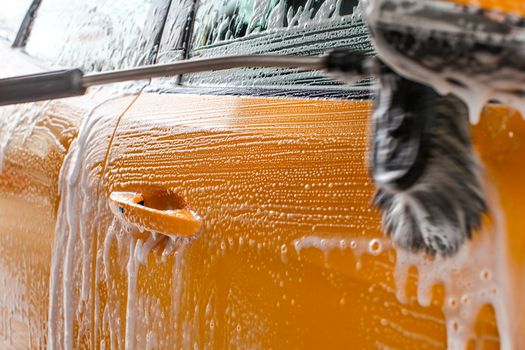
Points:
x=290, y=253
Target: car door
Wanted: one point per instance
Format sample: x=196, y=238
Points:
x=291, y=253
x=232, y=210
x=36, y=138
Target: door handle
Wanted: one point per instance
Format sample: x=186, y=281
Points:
x=131, y=208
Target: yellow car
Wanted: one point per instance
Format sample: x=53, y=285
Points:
x=228, y=209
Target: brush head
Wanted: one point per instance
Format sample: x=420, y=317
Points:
x=426, y=172
x=399, y=142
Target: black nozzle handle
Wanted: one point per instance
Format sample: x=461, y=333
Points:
x=41, y=86
x=349, y=66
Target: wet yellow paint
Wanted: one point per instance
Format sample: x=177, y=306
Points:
x=262, y=173
x=510, y=6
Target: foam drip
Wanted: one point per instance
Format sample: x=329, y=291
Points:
x=79, y=217
x=143, y=314
x=75, y=189
x=134, y=247
x=358, y=245
x=477, y=276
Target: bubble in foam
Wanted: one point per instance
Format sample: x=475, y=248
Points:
x=484, y=275
x=284, y=252
x=375, y=247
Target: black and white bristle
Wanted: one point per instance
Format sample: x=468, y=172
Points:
x=424, y=167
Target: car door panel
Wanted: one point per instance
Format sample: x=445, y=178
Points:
x=261, y=173
x=291, y=245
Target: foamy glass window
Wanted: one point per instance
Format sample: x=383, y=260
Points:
x=96, y=35
x=217, y=21
x=279, y=27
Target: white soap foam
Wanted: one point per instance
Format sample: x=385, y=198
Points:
x=78, y=217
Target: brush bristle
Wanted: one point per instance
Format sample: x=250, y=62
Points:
x=439, y=212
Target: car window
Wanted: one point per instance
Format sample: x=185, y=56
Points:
x=216, y=21
x=12, y=14
x=176, y=31
x=291, y=27
x=98, y=34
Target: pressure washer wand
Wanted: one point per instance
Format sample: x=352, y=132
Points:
x=73, y=82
